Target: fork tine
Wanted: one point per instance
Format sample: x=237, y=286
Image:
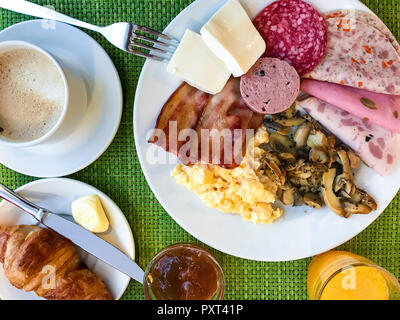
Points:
x=156, y=33
x=136, y=36
x=171, y=40
x=147, y=55
x=145, y=46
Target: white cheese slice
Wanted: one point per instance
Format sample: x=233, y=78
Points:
x=231, y=35
x=196, y=64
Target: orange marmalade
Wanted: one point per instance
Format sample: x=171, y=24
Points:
x=184, y=272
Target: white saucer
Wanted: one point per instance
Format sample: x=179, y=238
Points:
x=57, y=195
x=95, y=108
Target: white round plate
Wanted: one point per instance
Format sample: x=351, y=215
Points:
x=298, y=234
x=95, y=110
x=57, y=195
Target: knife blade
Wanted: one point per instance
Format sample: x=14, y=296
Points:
x=93, y=245
x=81, y=237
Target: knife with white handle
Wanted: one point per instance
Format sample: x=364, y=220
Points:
x=81, y=237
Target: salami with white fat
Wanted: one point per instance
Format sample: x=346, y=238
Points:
x=294, y=31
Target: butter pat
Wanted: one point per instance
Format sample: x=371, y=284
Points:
x=231, y=35
x=196, y=64
x=89, y=213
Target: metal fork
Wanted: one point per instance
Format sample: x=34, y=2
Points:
x=124, y=35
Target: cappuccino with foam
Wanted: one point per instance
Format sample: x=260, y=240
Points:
x=32, y=94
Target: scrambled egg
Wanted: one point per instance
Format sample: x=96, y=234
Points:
x=244, y=190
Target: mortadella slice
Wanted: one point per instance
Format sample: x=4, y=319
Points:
x=376, y=146
x=380, y=109
x=271, y=86
x=360, y=56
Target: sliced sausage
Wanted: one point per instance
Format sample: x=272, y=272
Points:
x=271, y=86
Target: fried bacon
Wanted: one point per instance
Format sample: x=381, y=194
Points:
x=210, y=118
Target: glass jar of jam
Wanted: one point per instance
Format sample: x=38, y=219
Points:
x=184, y=272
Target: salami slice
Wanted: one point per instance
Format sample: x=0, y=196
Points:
x=271, y=86
x=294, y=31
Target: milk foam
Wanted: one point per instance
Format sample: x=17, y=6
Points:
x=32, y=94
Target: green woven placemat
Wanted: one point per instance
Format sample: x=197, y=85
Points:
x=118, y=172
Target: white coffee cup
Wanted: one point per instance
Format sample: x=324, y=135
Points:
x=8, y=46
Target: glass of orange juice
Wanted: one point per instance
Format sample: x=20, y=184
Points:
x=341, y=275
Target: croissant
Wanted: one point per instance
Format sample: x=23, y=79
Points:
x=40, y=260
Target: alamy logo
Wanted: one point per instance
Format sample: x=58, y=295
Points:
x=214, y=146
x=49, y=24
x=349, y=280
x=49, y=280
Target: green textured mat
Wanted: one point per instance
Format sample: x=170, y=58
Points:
x=118, y=173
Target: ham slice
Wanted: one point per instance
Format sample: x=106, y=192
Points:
x=368, y=18
x=360, y=56
x=199, y=119
x=376, y=146
x=380, y=109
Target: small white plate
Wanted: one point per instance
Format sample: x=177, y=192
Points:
x=298, y=234
x=57, y=196
x=95, y=110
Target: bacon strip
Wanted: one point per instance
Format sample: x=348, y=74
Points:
x=193, y=109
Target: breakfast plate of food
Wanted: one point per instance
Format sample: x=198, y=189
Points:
x=279, y=139
x=79, y=275
x=94, y=108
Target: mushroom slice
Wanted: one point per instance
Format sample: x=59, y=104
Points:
x=329, y=196
x=285, y=131
x=289, y=113
x=298, y=199
x=274, y=172
x=291, y=122
x=288, y=157
x=305, y=171
x=280, y=177
x=361, y=196
x=344, y=159
x=317, y=139
x=332, y=157
x=353, y=208
x=281, y=143
x=266, y=147
x=288, y=196
x=332, y=141
x=319, y=154
x=313, y=200
x=347, y=188
x=303, y=153
x=272, y=157
x=339, y=183
x=302, y=133
x=279, y=194
x=354, y=159
x=270, y=124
